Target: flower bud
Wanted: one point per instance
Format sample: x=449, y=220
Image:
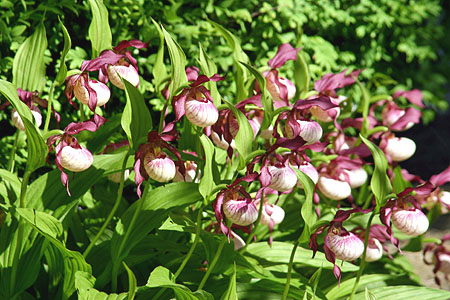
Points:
x=161, y=168
x=310, y=131
x=283, y=178
x=191, y=170
x=126, y=72
x=346, y=247
x=334, y=189
x=75, y=159
x=115, y=177
x=357, y=177
x=82, y=94
x=374, y=250
x=400, y=148
x=272, y=213
x=309, y=170
x=411, y=222
x=240, y=212
x=17, y=120
x=201, y=113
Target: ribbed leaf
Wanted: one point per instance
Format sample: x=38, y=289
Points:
x=244, y=137
x=404, y=292
x=380, y=183
x=207, y=182
x=301, y=75
x=28, y=65
x=136, y=120
x=42, y=221
x=99, y=30
x=10, y=183
x=84, y=283
x=280, y=252
x=267, y=102
x=231, y=294
x=345, y=288
x=177, y=63
x=37, y=149
x=239, y=56
x=159, y=71
x=62, y=73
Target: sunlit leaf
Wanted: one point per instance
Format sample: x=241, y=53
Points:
x=62, y=73
x=207, y=182
x=99, y=30
x=404, y=292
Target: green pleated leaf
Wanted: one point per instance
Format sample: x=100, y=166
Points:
x=301, y=75
x=28, y=65
x=244, y=137
x=280, y=252
x=368, y=295
x=84, y=283
x=380, y=183
x=132, y=283
x=154, y=210
x=62, y=73
x=307, y=211
x=404, y=292
x=177, y=63
x=241, y=73
x=162, y=277
x=231, y=294
x=266, y=101
x=42, y=221
x=207, y=182
x=99, y=30
x=159, y=71
x=339, y=292
x=136, y=120
x=37, y=148
x=209, y=68
x=11, y=184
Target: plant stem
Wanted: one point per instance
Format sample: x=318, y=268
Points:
x=189, y=254
x=49, y=108
x=288, y=276
x=18, y=250
x=213, y=263
x=363, y=258
x=114, y=209
x=116, y=264
x=12, y=157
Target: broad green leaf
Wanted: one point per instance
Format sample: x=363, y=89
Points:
x=231, y=294
x=207, y=182
x=154, y=210
x=84, y=283
x=271, y=289
x=280, y=252
x=380, y=183
x=369, y=295
x=307, y=211
x=159, y=69
x=244, y=137
x=136, y=120
x=177, y=63
x=266, y=101
x=99, y=30
x=345, y=288
x=62, y=73
x=399, y=183
x=42, y=221
x=209, y=68
x=314, y=280
x=132, y=283
x=301, y=75
x=37, y=149
x=405, y=292
x=10, y=183
x=161, y=277
x=238, y=56
x=28, y=65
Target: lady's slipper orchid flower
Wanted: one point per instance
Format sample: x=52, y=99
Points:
x=112, y=148
x=82, y=93
x=191, y=172
x=440, y=258
x=410, y=221
x=69, y=154
x=333, y=188
x=17, y=120
x=283, y=178
x=271, y=215
x=308, y=169
x=399, y=119
x=338, y=242
x=152, y=162
x=398, y=148
x=196, y=103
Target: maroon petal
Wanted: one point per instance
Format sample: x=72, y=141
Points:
x=131, y=43
x=107, y=57
x=414, y=96
x=330, y=82
x=192, y=73
x=323, y=102
x=285, y=52
x=411, y=115
x=441, y=178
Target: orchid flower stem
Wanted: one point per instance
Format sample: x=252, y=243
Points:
x=163, y=114
x=213, y=262
x=12, y=157
x=252, y=234
x=188, y=255
x=113, y=210
x=363, y=258
x=124, y=241
x=288, y=276
x=49, y=108
x=20, y=238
